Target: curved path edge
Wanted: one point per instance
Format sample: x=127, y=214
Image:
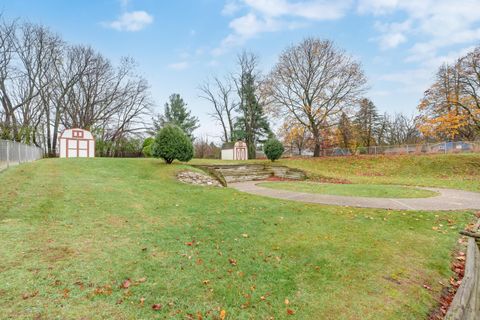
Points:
x=448, y=199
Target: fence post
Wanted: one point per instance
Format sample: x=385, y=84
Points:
x=8, y=154
x=445, y=147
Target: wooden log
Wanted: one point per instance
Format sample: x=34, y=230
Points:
x=466, y=303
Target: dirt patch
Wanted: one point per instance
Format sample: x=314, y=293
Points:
x=322, y=179
x=275, y=178
x=54, y=254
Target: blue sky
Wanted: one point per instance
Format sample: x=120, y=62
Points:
x=178, y=44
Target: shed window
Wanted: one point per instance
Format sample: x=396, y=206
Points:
x=77, y=134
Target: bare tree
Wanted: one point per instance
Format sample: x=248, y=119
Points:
x=46, y=85
x=401, y=129
x=219, y=94
x=314, y=82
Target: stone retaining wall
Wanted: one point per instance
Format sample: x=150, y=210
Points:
x=248, y=172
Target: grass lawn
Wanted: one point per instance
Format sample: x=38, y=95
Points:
x=357, y=190
x=458, y=171
x=73, y=230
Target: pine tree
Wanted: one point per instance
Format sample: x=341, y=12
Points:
x=367, y=123
x=346, y=133
x=176, y=113
x=251, y=125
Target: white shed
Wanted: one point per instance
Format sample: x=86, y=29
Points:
x=77, y=143
x=238, y=152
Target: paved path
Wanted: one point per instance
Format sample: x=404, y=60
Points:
x=449, y=199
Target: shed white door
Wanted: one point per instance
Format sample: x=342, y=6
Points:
x=72, y=148
x=77, y=148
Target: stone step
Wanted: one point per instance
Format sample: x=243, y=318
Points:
x=239, y=173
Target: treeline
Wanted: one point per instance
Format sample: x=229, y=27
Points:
x=47, y=85
x=363, y=128
x=319, y=92
x=450, y=109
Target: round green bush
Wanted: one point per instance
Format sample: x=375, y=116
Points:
x=147, y=147
x=172, y=143
x=273, y=149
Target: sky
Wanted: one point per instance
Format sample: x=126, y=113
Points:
x=179, y=44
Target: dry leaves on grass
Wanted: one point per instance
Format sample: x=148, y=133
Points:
x=26, y=295
x=157, y=306
x=126, y=284
x=223, y=315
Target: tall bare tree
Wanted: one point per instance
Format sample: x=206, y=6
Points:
x=314, y=81
x=46, y=85
x=219, y=93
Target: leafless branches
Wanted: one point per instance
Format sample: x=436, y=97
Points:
x=314, y=82
x=46, y=85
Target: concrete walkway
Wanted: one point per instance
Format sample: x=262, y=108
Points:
x=448, y=199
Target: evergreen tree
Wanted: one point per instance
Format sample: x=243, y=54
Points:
x=367, y=123
x=346, y=134
x=176, y=113
x=251, y=125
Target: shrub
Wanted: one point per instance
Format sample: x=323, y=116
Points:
x=172, y=143
x=273, y=149
x=362, y=150
x=147, y=147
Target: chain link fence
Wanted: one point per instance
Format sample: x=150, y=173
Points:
x=424, y=148
x=13, y=153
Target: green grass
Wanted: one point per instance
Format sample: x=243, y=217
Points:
x=357, y=190
x=72, y=230
x=459, y=171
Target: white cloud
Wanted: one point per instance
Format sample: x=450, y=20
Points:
x=179, y=65
x=131, y=21
x=392, y=34
x=231, y=7
x=312, y=9
x=275, y=15
x=442, y=22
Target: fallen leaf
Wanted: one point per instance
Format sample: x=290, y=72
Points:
x=126, y=284
x=223, y=314
x=157, y=306
x=66, y=293
x=141, y=280
x=29, y=295
x=287, y=301
x=244, y=235
x=233, y=262
x=290, y=312
x=427, y=287
x=142, y=301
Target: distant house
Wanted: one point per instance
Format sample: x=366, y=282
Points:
x=235, y=151
x=77, y=143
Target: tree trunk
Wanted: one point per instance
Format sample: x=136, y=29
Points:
x=318, y=144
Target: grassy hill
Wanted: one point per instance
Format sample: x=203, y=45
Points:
x=461, y=171
x=73, y=231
